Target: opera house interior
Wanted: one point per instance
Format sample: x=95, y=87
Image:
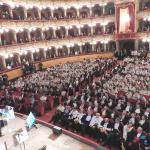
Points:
x=75, y=74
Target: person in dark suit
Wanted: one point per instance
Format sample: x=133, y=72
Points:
x=144, y=124
x=0, y=131
x=105, y=129
x=113, y=137
x=129, y=133
x=85, y=121
x=124, y=118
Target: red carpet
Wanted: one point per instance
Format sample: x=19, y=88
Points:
x=48, y=116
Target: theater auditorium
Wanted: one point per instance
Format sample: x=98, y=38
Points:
x=75, y=74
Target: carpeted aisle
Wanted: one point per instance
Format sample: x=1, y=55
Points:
x=48, y=116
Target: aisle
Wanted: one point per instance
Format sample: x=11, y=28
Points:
x=48, y=116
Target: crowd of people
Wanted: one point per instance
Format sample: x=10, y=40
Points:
x=102, y=98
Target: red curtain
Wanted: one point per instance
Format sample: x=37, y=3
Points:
x=131, y=7
x=132, y=16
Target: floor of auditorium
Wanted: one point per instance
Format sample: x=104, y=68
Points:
x=39, y=137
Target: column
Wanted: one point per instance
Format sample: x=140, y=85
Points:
x=65, y=13
x=105, y=48
x=25, y=13
x=56, y=52
x=68, y=48
x=79, y=31
x=39, y=14
x=78, y=12
x=10, y=12
x=2, y=62
x=29, y=36
x=0, y=39
x=92, y=30
x=93, y=47
x=18, y=58
x=80, y=49
x=31, y=56
x=104, y=28
x=44, y=53
x=117, y=46
x=136, y=45
x=54, y=33
x=90, y=11
x=103, y=10
x=42, y=36
x=52, y=13
x=67, y=31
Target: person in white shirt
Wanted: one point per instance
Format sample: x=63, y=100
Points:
x=96, y=121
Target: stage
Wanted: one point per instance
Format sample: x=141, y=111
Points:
x=39, y=137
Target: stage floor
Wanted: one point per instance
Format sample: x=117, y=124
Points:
x=40, y=137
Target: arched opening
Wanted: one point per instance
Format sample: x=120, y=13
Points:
x=33, y=13
x=144, y=45
x=59, y=13
x=25, y=57
x=112, y=46
x=46, y=14
x=73, y=31
x=8, y=37
x=144, y=4
x=61, y=32
x=53, y=53
x=97, y=10
x=36, y=55
x=5, y=11
x=71, y=13
x=98, y=29
x=84, y=12
x=98, y=47
x=65, y=51
x=22, y=36
x=144, y=25
x=86, y=30
x=75, y=50
x=87, y=48
x=48, y=33
x=12, y=61
x=110, y=28
x=18, y=13
x=110, y=8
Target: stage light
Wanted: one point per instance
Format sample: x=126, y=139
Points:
x=16, y=30
x=21, y=30
x=33, y=29
x=5, y=56
x=11, y=55
x=104, y=23
x=37, y=50
x=25, y=52
x=144, y=40
x=6, y=30
x=1, y=31
x=16, y=5
x=33, y=50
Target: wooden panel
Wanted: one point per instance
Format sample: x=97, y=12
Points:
x=18, y=72
x=75, y=59
x=14, y=73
